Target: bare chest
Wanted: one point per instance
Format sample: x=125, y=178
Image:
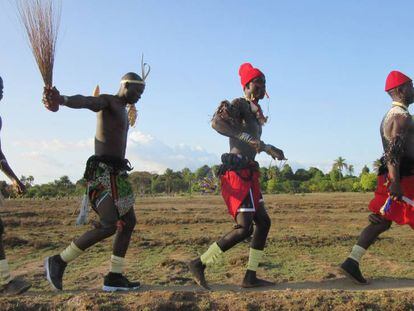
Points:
x=251, y=125
x=113, y=120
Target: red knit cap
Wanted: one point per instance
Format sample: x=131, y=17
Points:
x=247, y=73
x=394, y=79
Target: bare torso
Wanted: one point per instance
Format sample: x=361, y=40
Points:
x=112, y=128
x=387, y=128
x=246, y=122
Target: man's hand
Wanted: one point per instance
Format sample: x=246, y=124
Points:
x=19, y=187
x=52, y=98
x=395, y=191
x=274, y=152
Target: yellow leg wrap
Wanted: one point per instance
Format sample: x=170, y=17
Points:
x=4, y=272
x=255, y=257
x=357, y=253
x=212, y=254
x=117, y=264
x=70, y=253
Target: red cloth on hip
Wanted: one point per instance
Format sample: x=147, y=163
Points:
x=399, y=212
x=236, y=185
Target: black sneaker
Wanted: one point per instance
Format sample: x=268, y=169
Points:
x=250, y=281
x=117, y=282
x=350, y=268
x=55, y=267
x=197, y=268
x=15, y=287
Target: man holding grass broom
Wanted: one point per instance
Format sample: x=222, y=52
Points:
x=395, y=181
x=108, y=189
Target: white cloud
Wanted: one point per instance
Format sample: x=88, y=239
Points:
x=150, y=154
x=54, y=144
x=47, y=160
x=140, y=138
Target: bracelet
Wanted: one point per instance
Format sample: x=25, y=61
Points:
x=65, y=99
x=245, y=137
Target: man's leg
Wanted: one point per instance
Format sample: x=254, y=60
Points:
x=262, y=221
x=368, y=236
x=114, y=280
x=7, y=284
x=262, y=227
x=240, y=232
x=123, y=237
x=108, y=217
x=4, y=266
x=55, y=265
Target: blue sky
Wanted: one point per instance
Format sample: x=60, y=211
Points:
x=325, y=64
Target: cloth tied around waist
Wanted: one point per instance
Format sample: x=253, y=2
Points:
x=239, y=178
x=107, y=175
x=399, y=212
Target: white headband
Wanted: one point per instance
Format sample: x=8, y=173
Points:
x=133, y=81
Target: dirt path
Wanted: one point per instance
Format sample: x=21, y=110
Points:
x=336, y=284
x=342, y=284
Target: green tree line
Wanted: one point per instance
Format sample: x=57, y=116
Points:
x=273, y=179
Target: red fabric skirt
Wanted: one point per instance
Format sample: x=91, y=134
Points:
x=236, y=186
x=399, y=212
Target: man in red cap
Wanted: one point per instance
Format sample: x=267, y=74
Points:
x=395, y=182
x=242, y=121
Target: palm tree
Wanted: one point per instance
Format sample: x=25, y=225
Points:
x=339, y=164
x=188, y=177
x=377, y=164
x=169, y=176
x=350, y=170
x=365, y=170
x=30, y=180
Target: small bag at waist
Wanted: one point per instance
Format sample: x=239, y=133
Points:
x=236, y=162
x=116, y=165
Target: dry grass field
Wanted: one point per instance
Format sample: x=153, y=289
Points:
x=311, y=234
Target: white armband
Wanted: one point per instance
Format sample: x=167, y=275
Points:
x=65, y=99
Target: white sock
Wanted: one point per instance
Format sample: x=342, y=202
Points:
x=4, y=272
x=357, y=253
x=117, y=264
x=71, y=252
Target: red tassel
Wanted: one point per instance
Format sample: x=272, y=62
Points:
x=120, y=225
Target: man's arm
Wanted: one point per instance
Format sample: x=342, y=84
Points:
x=52, y=98
x=227, y=121
x=89, y=102
x=394, y=151
x=271, y=150
x=6, y=169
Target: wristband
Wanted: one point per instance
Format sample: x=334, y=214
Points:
x=65, y=99
x=245, y=137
